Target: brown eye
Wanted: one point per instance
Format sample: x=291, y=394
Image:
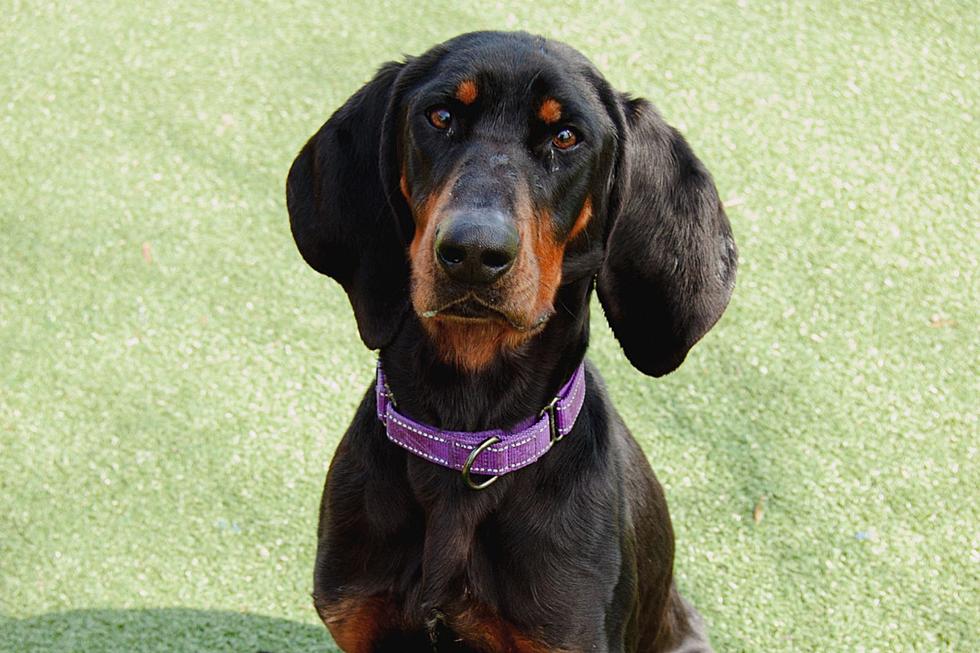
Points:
x=565, y=139
x=440, y=117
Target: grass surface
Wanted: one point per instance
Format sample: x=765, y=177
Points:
x=173, y=379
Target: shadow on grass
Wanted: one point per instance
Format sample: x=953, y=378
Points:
x=170, y=630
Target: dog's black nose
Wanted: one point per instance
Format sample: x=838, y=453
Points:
x=477, y=247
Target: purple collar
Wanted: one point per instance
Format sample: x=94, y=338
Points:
x=493, y=452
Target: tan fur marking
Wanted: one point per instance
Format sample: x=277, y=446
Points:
x=466, y=92
x=583, y=218
x=481, y=627
x=473, y=345
x=550, y=110
x=421, y=248
x=357, y=622
x=406, y=193
x=550, y=255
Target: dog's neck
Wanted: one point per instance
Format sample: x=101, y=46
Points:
x=514, y=386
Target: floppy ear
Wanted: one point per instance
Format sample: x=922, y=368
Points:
x=670, y=258
x=340, y=216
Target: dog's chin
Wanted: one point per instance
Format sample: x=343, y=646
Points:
x=470, y=335
x=474, y=312
x=470, y=310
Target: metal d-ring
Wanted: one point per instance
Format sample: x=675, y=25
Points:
x=480, y=448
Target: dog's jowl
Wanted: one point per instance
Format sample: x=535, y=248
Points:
x=487, y=496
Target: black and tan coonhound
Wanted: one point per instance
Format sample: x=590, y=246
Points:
x=469, y=200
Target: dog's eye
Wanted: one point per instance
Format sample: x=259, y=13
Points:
x=440, y=117
x=565, y=139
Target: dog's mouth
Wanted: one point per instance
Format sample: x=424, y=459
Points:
x=471, y=309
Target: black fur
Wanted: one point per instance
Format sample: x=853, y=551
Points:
x=670, y=264
x=576, y=551
x=340, y=218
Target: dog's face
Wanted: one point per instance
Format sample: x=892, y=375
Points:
x=463, y=184
x=500, y=154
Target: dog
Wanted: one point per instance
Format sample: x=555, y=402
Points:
x=487, y=496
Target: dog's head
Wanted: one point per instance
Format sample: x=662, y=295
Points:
x=469, y=184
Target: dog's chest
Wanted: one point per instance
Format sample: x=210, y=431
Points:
x=411, y=558
x=449, y=602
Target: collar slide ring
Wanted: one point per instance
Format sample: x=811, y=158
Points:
x=552, y=413
x=480, y=448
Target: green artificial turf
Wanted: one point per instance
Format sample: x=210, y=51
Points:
x=173, y=378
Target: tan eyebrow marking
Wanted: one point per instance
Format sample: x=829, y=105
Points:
x=466, y=91
x=550, y=110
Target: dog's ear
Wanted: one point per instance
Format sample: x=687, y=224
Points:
x=670, y=258
x=341, y=220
